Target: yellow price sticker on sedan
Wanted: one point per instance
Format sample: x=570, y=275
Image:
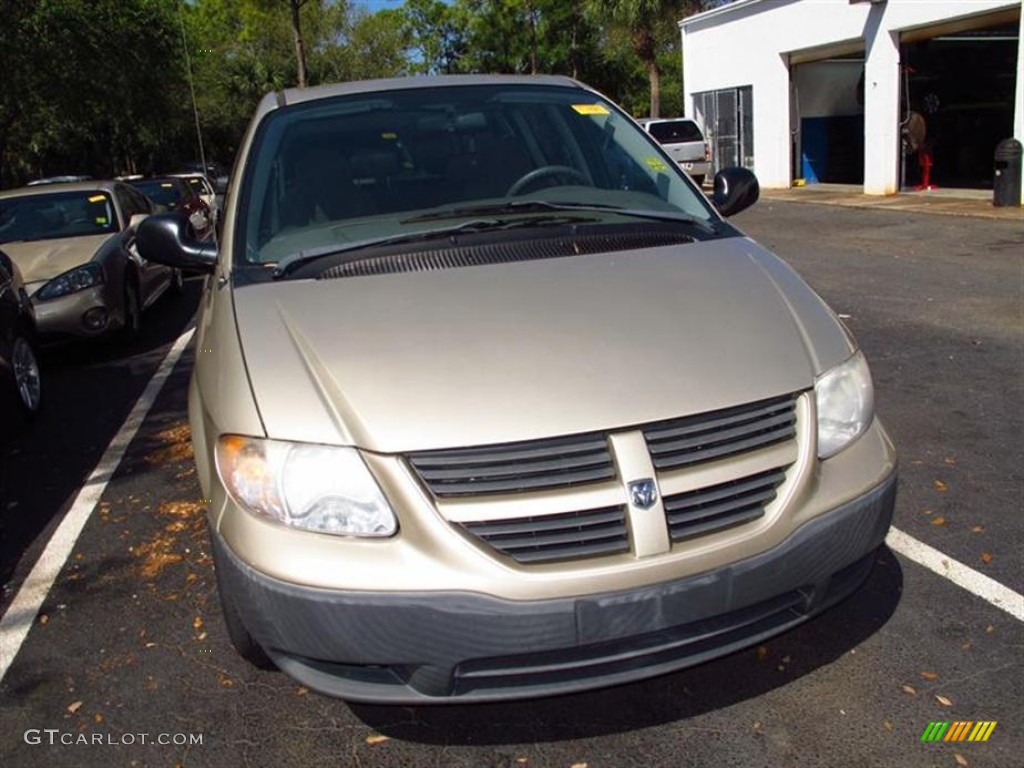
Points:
x=97, y=198
x=655, y=163
x=591, y=109
x=101, y=219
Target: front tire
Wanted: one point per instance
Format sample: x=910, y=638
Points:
x=245, y=644
x=27, y=381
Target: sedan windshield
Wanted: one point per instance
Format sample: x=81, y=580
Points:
x=365, y=168
x=60, y=214
x=165, y=193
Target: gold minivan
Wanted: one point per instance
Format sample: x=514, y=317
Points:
x=493, y=403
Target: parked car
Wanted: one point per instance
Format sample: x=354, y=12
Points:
x=496, y=404
x=683, y=139
x=202, y=187
x=20, y=380
x=75, y=246
x=173, y=193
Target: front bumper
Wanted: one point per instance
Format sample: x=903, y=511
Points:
x=419, y=647
x=65, y=317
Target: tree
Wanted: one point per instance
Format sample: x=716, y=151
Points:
x=650, y=24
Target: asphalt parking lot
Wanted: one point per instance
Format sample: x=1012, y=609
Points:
x=129, y=645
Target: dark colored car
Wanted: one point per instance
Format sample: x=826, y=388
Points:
x=174, y=194
x=19, y=362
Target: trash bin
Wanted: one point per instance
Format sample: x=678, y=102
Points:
x=1006, y=184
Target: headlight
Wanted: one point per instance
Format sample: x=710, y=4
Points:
x=846, y=405
x=77, y=279
x=313, y=487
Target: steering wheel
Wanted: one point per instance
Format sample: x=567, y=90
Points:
x=544, y=172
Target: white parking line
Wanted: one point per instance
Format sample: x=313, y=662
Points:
x=979, y=584
x=18, y=618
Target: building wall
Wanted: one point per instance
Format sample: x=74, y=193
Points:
x=751, y=41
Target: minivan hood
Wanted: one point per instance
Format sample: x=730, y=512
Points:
x=44, y=259
x=500, y=353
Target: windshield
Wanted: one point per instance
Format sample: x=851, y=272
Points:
x=60, y=214
x=165, y=193
x=367, y=167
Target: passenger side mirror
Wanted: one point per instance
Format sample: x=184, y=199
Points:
x=167, y=238
x=736, y=189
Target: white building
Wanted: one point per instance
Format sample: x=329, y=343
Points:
x=824, y=90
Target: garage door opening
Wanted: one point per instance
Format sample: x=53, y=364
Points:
x=958, y=104
x=827, y=118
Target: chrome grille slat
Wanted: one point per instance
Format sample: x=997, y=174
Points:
x=497, y=470
x=719, y=434
x=556, y=537
x=714, y=508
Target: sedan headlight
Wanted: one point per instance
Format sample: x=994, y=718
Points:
x=77, y=279
x=846, y=405
x=312, y=487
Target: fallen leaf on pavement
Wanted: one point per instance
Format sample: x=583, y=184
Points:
x=197, y=623
x=579, y=765
x=377, y=738
x=940, y=520
x=888, y=726
x=949, y=460
x=301, y=690
x=74, y=706
x=43, y=618
x=940, y=486
x=986, y=557
x=98, y=718
x=977, y=529
x=990, y=629
x=910, y=689
x=762, y=652
x=522, y=760
x=943, y=701
x=960, y=760
x=929, y=675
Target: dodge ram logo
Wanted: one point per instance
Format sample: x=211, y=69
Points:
x=643, y=493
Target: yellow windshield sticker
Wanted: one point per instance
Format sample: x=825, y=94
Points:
x=655, y=163
x=591, y=109
x=389, y=136
x=167, y=185
x=101, y=219
x=97, y=198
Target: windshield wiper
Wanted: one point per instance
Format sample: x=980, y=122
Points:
x=530, y=206
x=294, y=261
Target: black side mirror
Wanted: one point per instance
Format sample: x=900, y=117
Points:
x=736, y=189
x=168, y=238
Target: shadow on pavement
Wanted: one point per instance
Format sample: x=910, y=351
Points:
x=671, y=698
x=88, y=391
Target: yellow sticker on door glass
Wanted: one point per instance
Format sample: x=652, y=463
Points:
x=167, y=185
x=591, y=109
x=391, y=136
x=655, y=163
x=97, y=198
x=101, y=219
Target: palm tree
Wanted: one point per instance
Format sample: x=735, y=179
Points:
x=646, y=22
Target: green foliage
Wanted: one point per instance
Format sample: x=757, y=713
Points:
x=103, y=87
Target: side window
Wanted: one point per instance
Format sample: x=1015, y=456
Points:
x=126, y=203
x=141, y=201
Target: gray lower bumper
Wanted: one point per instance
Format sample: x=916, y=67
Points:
x=450, y=647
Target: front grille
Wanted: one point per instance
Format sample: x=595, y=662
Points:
x=556, y=537
x=514, y=467
x=719, y=434
x=716, y=507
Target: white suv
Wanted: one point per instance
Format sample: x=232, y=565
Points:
x=683, y=139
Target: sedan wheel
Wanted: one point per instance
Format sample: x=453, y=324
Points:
x=26, y=375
